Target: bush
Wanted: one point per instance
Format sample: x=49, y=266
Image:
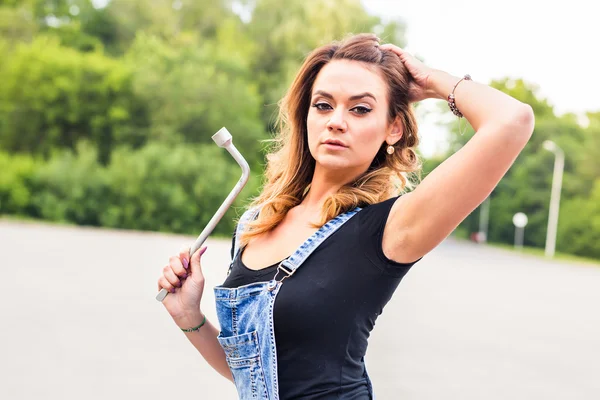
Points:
x=579, y=225
x=53, y=96
x=177, y=189
x=16, y=173
x=71, y=187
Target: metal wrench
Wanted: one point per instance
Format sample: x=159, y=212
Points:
x=223, y=139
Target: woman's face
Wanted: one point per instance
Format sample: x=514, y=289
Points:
x=349, y=107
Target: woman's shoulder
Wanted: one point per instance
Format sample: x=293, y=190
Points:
x=373, y=217
x=381, y=208
x=372, y=222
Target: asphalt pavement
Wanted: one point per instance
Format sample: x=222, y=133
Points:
x=79, y=321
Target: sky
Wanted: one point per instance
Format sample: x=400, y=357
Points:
x=552, y=46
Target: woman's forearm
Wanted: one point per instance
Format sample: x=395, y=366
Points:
x=205, y=341
x=481, y=104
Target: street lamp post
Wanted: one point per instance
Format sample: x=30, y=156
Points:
x=520, y=221
x=559, y=165
x=484, y=218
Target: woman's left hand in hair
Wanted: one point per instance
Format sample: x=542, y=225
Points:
x=419, y=88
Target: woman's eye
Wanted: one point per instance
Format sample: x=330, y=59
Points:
x=322, y=106
x=358, y=109
x=362, y=110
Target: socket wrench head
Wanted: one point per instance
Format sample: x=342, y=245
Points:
x=222, y=138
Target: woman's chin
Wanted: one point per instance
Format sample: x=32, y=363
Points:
x=333, y=164
x=336, y=164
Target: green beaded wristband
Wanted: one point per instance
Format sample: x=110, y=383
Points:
x=194, y=329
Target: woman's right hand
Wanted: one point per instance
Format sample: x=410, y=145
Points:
x=184, y=280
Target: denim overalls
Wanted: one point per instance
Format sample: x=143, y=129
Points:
x=246, y=317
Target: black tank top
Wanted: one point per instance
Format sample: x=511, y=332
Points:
x=325, y=312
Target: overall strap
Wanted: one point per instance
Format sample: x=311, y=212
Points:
x=247, y=216
x=291, y=264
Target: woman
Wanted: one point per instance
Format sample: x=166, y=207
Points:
x=296, y=313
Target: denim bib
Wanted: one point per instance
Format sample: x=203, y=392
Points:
x=246, y=317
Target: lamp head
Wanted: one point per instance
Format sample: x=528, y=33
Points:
x=549, y=145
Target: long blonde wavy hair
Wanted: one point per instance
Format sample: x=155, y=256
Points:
x=290, y=165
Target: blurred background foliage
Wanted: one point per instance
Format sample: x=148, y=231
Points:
x=107, y=109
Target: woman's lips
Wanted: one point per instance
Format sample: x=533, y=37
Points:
x=334, y=146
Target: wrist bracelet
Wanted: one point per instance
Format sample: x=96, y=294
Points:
x=194, y=329
x=451, y=100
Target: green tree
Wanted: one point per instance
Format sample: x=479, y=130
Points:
x=165, y=19
x=52, y=96
x=526, y=187
x=16, y=23
x=193, y=89
x=285, y=33
x=579, y=229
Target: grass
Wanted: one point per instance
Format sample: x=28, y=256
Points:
x=27, y=219
x=458, y=234
x=538, y=252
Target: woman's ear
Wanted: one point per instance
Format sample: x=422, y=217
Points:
x=395, y=131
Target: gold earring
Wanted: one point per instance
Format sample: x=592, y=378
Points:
x=390, y=149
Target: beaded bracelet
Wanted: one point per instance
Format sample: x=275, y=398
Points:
x=194, y=329
x=452, y=101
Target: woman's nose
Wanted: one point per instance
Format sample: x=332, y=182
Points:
x=337, y=122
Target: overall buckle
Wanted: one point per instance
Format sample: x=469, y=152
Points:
x=284, y=270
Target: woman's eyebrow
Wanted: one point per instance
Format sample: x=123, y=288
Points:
x=351, y=98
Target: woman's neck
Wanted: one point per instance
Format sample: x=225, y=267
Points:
x=323, y=185
x=319, y=191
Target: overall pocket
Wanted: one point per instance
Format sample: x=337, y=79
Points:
x=244, y=360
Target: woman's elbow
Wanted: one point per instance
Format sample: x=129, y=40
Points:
x=524, y=120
